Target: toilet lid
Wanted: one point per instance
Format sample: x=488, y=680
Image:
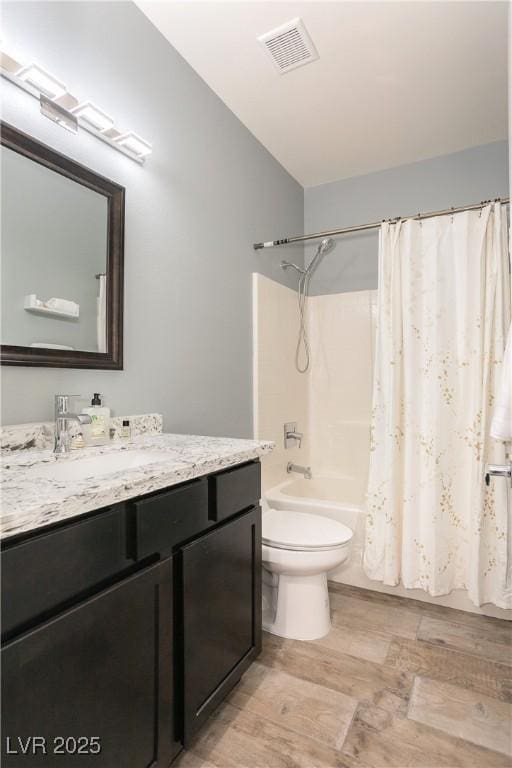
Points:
x=284, y=529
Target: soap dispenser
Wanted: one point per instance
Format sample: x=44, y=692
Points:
x=99, y=429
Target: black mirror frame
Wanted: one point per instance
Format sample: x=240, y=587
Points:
x=112, y=359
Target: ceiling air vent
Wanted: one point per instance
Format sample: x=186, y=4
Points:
x=289, y=45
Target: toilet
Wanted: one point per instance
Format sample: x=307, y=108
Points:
x=299, y=549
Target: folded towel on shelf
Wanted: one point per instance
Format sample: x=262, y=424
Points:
x=501, y=426
x=63, y=305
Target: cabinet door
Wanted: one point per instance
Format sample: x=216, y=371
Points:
x=102, y=669
x=221, y=605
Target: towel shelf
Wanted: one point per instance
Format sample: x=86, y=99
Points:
x=33, y=304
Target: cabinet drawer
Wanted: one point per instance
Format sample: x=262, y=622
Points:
x=166, y=519
x=234, y=490
x=46, y=571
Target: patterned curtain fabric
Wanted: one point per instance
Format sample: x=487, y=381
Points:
x=443, y=316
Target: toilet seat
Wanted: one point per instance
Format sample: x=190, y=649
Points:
x=303, y=532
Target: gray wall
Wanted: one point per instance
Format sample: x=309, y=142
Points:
x=457, y=179
x=53, y=243
x=192, y=213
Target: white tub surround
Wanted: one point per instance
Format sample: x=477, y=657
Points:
x=41, y=434
x=31, y=499
x=342, y=329
x=332, y=401
x=280, y=392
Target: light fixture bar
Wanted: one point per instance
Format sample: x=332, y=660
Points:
x=94, y=116
x=54, y=98
x=58, y=114
x=102, y=137
x=45, y=83
x=134, y=144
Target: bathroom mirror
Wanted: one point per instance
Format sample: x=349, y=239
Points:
x=62, y=241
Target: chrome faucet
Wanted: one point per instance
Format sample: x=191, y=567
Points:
x=62, y=418
x=306, y=471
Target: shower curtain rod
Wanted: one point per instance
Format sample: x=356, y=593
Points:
x=376, y=224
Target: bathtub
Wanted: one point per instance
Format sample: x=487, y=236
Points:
x=340, y=498
x=337, y=490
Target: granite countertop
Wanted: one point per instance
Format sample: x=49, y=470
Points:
x=31, y=500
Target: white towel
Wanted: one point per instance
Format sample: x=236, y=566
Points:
x=501, y=427
x=63, y=305
x=101, y=314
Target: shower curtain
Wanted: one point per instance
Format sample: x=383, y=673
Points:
x=443, y=315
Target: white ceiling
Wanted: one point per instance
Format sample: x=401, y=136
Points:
x=395, y=82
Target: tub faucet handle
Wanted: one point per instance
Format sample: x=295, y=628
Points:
x=291, y=435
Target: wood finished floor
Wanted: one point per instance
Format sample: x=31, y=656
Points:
x=396, y=684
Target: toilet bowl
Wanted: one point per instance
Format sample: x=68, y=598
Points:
x=299, y=549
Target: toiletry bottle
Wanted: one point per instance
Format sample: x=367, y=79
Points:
x=77, y=441
x=99, y=429
x=126, y=431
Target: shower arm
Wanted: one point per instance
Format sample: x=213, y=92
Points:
x=290, y=264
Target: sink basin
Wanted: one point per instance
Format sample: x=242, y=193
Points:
x=96, y=466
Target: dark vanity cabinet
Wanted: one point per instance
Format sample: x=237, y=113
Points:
x=125, y=628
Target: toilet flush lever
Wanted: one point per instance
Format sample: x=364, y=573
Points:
x=498, y=470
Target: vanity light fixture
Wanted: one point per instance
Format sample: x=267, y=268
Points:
x=134, y=144
x=59, y=115
x=57, y=104
x=94, y=116
x=45, y=83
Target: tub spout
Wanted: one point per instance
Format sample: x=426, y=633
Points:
x=306, y=471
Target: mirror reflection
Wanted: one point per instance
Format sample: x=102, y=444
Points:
x=54, y=245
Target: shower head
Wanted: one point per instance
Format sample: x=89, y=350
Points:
x=325, y=246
